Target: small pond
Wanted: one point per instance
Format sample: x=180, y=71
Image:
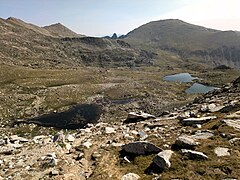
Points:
x=181, y=77
x=199, y=88
x=186, y=77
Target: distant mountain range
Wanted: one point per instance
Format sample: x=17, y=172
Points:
x=55, y=45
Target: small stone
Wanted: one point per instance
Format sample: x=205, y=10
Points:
x=162, y=160
x=70, y=138
x=87, y=144
x=59, y=137
x=127, y=136
x=68, y=146
x=2, y=142
x=109, y=130
x=54, y=173
x=143, y=135
x=194, y=154
x=219, y=151
x=235, y=141
x=130, y=176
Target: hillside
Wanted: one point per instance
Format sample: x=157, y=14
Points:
x=29, y=45
x=189, y=41
x=61, y=30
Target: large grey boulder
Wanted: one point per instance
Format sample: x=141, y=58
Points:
x=194, y=155
x=140, y=148
x=185, y=142
x=194, y=121
x=162, y=159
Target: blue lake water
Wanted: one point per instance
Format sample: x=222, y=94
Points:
x=186, y=77
x=181, y=77
x=199, y=88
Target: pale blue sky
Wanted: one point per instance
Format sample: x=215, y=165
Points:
x=104, y=17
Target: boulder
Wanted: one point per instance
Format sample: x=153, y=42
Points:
x=134, y=117
x=185, y=142
x=162, y=159
x=219, y=151
x=140, y=148
x=194, y=155
x=130, y=176
x=193, y=121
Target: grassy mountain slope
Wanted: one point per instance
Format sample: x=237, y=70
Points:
x=29, y=45
x=216, y=47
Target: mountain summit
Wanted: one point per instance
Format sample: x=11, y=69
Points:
x=60, y=30
x=211, y=46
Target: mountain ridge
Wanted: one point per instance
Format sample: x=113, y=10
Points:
x=191, y=40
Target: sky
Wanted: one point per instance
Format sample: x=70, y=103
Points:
x=104, y=17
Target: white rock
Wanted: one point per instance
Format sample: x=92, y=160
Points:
x=193, y=121
x=130, y=176
x=70, y=138
x=87, y=144
x=162, y=160
x=233, y=123
x=193, y=154
x=68, y=146
x=219, y=151
x=17, y=138
x=109, y=130
x=185, y=142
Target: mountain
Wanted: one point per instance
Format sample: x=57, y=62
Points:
x=61, y=30
x=29, y=45
x=189, y=41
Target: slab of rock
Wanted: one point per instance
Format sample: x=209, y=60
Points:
x=70, y=138
x=140, y=148
x=194, y=155
x=202, y=135
x=233, y=123
x=220, y=151
x=14, y=138
x=109, y=130
x=185, y=142
x=130, y=176
x=134, y=117
x=193, y=121
x=162, y=160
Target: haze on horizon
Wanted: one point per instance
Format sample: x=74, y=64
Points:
x=100, y=18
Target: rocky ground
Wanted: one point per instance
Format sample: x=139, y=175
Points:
x=198, y=141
